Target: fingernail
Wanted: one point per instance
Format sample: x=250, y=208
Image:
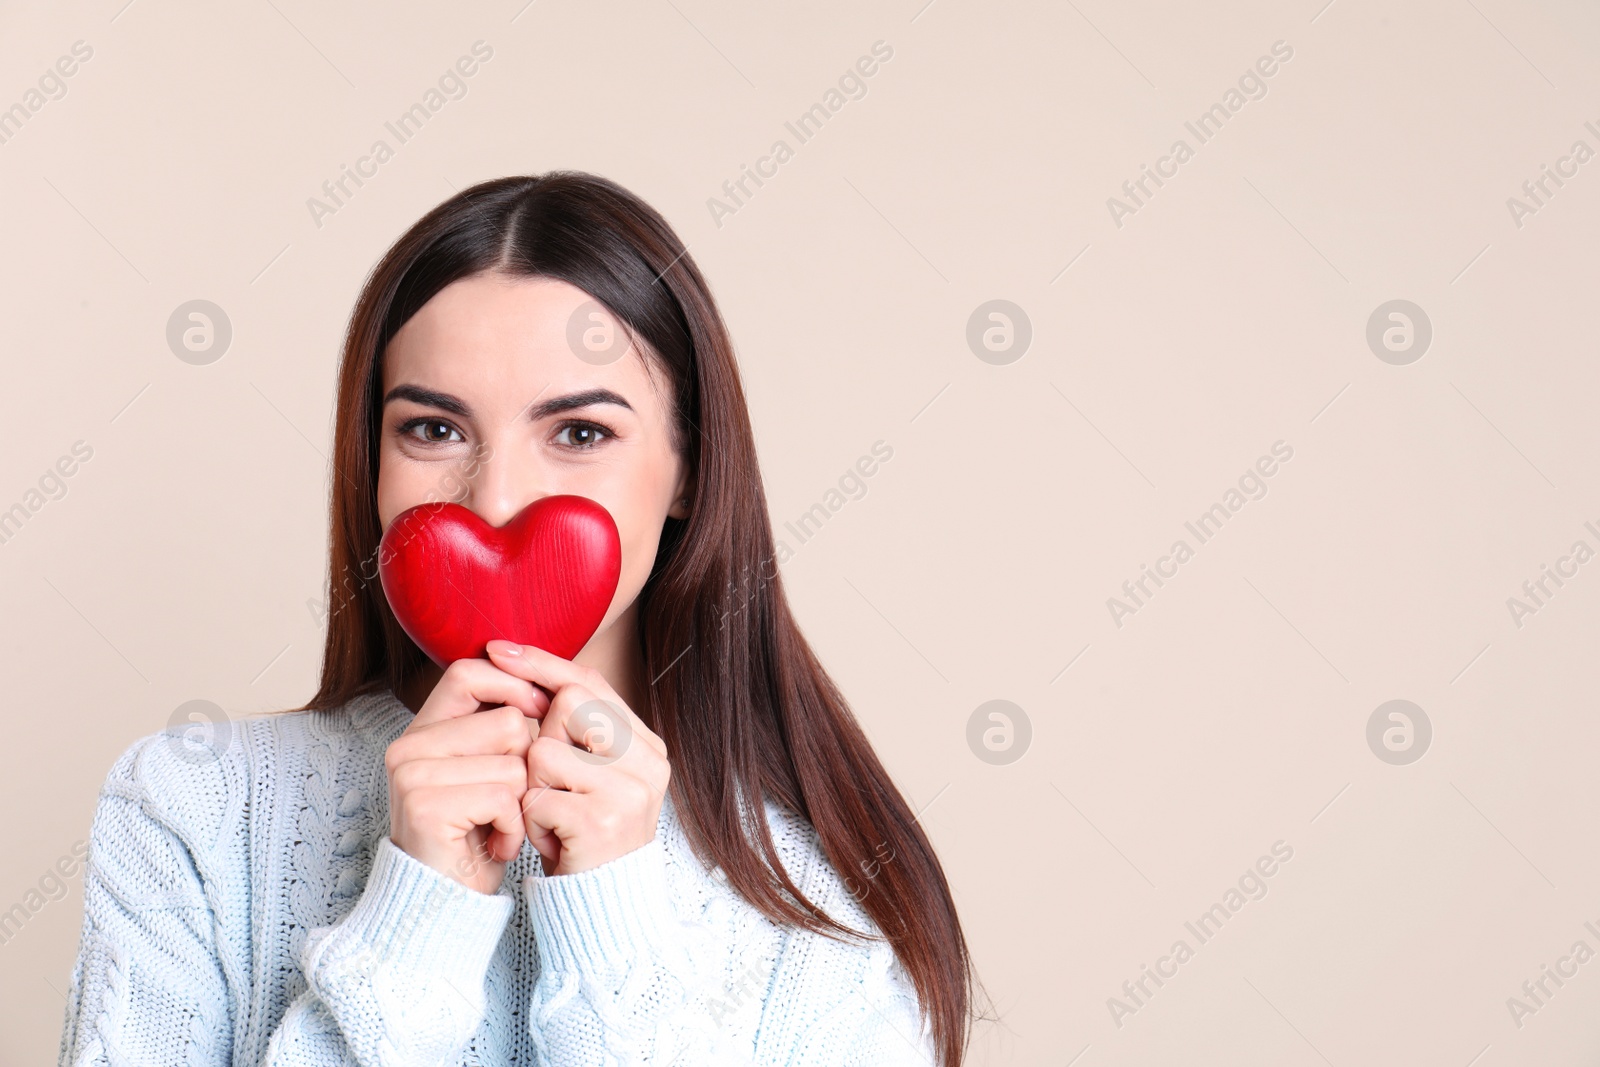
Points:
x=505, y=648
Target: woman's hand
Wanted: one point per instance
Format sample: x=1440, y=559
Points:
x=457, y=775
x=596, y=775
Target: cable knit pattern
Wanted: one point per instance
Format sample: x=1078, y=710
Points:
x=245, y=906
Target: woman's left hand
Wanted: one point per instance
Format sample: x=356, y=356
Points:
x=596, y=774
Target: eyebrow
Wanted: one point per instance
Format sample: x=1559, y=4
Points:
x=554, y=406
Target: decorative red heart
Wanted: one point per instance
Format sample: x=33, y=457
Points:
x=545, y=578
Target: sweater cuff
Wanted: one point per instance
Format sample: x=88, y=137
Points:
x=605, y=918
x=426, y=921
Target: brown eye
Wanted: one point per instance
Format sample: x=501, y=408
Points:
x=581, y=435
x=434, y=431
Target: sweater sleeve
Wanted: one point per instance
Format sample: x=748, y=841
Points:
x=399, y=981
x=161, y=976
x=617, y=983
x=622, y=980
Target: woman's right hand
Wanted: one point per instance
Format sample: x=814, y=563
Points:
x=457, y=775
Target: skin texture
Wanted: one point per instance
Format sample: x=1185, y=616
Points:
x=497, y=748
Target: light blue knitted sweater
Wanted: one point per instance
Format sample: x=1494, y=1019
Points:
x=244, y=905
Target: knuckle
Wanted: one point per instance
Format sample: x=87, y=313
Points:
x=397, y=756
x=421, y=806
x=509, y=770
x=403, y=778
x=512, y=725
x=555, y=719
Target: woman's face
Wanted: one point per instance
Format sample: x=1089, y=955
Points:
x=487, y=403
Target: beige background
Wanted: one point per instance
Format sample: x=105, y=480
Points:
x=1168, y=354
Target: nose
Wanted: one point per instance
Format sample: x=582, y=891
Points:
x=499, y=485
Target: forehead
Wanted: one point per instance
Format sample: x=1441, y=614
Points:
x=497, y=341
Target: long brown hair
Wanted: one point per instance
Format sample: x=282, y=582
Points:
x=745, y=710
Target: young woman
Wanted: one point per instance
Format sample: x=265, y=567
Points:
x=425, y=867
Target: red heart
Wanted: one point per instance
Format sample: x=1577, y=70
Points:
x=545, y=578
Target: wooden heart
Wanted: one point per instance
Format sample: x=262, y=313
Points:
x=545, y=578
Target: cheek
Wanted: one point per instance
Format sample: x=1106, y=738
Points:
x=638, y=557
x=639, y=515
x=639, y=540
x=388, y=495
x=403, y=484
